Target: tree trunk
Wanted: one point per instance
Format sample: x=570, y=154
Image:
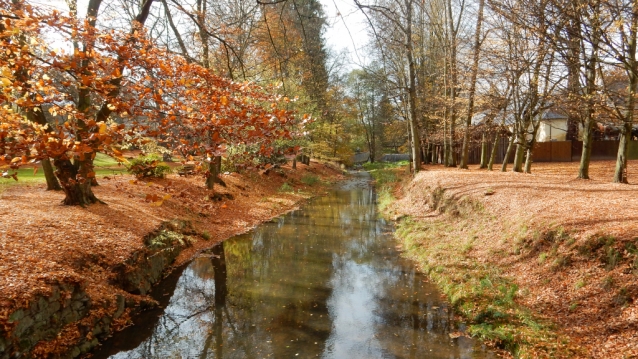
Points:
x=294, y=163
x=414, y=128
x=483, y=152
x=451, y=160
x=213, y=174
x=76, y=182
x=508, y=152
x=528, y=161
x=493, y=154
x=591, y=70
x=518, y=158
x=49, y=174
x=620, y=174
x=472, y=92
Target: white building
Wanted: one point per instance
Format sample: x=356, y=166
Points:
x=552, y=127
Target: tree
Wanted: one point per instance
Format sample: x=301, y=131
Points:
x=399, y=16
x=121, y=83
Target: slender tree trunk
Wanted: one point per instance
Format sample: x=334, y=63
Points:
x=508, y=152
x=213, y=175
x=483, y=152
x=518, y=158
x=490, y=164
x=49, y=174
x=588, y=128
x=528, y=160
x=620, y=174
x=414, y=128
x=451, y=160
x=472, y=92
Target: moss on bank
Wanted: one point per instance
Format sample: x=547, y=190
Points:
x=443, y=245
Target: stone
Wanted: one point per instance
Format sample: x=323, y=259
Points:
x=16, y=316
x=121, y=305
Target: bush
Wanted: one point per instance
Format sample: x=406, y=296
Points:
x=286, y=188
x=309, y=179
x=148, y=166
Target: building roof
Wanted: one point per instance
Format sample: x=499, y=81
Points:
x=550, y=115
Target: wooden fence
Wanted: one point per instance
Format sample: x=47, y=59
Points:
x=555, y=151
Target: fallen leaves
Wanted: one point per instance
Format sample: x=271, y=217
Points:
x=593, y=303
x=44, y=243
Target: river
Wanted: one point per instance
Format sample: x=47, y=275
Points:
x=325, y=281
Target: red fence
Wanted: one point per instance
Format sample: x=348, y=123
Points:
x=555, y=151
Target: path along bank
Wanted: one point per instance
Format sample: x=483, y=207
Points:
x=70, y=276
x=539, y=265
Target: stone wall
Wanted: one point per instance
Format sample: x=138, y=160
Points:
x=66, y=323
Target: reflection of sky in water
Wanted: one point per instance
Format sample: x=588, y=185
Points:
x=355, y=287
x=324, y=282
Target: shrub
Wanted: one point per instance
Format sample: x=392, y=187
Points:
x=148, y=166
x=309, y=179
x=286, y=188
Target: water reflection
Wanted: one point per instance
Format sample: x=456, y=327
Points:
x=324, y=282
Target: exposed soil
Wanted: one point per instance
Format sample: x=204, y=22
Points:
x=44, y=244
x=584, y=280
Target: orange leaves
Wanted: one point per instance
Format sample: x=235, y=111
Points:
x=145, y=90
x=156, y=200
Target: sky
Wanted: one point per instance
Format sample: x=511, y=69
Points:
x=347, y=29
x=346, y=32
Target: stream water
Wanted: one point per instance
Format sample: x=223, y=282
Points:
x=325, y=281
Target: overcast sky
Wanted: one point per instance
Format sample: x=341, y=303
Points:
x=347, y=29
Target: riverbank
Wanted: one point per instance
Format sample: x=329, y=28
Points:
x=71, y=276
x=540, y=265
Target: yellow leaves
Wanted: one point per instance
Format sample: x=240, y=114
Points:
x=111, y=107
x=224, y=100
x=156, y=200
x=6, y=72
x=102, y=128
x=5, y=82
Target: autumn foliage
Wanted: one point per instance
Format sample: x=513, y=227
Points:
x=71, y=90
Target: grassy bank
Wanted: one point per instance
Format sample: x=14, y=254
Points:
x=529, y=282
x=33, y=175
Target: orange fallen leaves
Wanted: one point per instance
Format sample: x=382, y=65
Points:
x=594, y=304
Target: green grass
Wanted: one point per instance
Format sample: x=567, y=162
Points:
x=104, y=166
x=383, y=165
x=480, y=293
x=286, y=188
x=309, y=180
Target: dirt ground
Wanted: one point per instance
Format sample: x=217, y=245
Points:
x=43, y=242
x=591, y=293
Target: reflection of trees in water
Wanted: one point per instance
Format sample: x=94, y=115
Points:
x=278, y=291
x=193, y=324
